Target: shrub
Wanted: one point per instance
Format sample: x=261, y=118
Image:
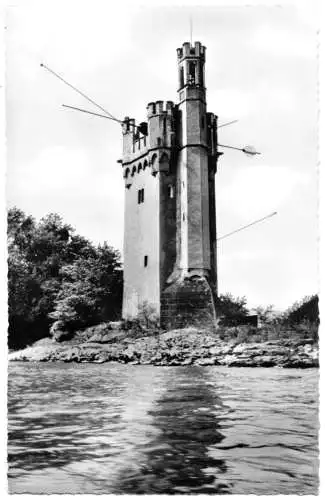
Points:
x=146, y=323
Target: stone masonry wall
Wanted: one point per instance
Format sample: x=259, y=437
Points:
x=188, y=302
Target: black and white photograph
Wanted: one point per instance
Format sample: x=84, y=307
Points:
x=162, y=247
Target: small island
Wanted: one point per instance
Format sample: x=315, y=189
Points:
x=65, y=297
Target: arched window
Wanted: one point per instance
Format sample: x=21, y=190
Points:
x=164, y=163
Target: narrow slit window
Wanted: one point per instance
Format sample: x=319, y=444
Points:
x=145, y=261
x=182, y=77
x=170, y=191
x=140, y=196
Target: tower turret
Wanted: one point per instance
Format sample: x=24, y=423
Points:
x=191, y=80
x=193, y=200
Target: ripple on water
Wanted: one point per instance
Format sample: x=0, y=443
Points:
x=140, y=429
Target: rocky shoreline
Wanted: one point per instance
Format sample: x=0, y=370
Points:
x=187, y=346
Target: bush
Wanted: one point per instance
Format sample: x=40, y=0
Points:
x=231, y=310
x=146, y=323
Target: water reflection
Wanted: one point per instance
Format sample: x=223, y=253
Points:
x=178, y=459
x=140, y=429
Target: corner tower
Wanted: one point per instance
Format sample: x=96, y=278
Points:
x=169, y=166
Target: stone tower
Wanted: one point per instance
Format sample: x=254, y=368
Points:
x=169, y=166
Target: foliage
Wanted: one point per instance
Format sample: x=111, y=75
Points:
x=146, y=323
x=304, y=310
x=298, y=323
x=231, y=310
x=54, y=274
x=91, y=292
x=266, y=315
x=59, y=282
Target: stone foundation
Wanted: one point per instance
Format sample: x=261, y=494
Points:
x=188, y=302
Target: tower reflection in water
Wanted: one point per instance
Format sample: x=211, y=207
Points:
x=178, y=459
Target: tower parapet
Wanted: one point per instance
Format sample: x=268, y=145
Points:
x=188, y=51
x=151, y=143
x=161, y=124
x=135, y=141
x=191, y=60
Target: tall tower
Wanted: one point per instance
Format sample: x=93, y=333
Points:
x=192, y=168
x=169, y=168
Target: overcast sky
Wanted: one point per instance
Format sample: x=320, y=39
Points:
x=261, y=69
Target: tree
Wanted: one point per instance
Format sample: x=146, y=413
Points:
x=266, y=314
x=23, y=286
x=24, y=291
x=91, y=293
x=53, y=270
x=304, y=310
x=231, y=310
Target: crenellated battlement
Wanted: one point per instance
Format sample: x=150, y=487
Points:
x=187, y=50
x=157, y=133
x=135, y=139
x=128, y=125
x=160, y=108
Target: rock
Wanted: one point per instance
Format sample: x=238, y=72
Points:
x=187, y=361
x=178, y=347
x=239, y=348
x=115, y=325
x=39, y=353
x=107, y=337
x=72, y=354
x=97, y=337
x=307, y=341
x=157, y=358
x=300, y=363
x=266, y=361
x=225, y=349
x=102, y=357
x=214, y=350
x=278, y=351
x=228, y=359
x=206, y=361
x=145, y=359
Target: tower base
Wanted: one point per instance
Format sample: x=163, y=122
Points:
x=188, y=302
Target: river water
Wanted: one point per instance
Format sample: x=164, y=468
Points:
x=110, y=428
